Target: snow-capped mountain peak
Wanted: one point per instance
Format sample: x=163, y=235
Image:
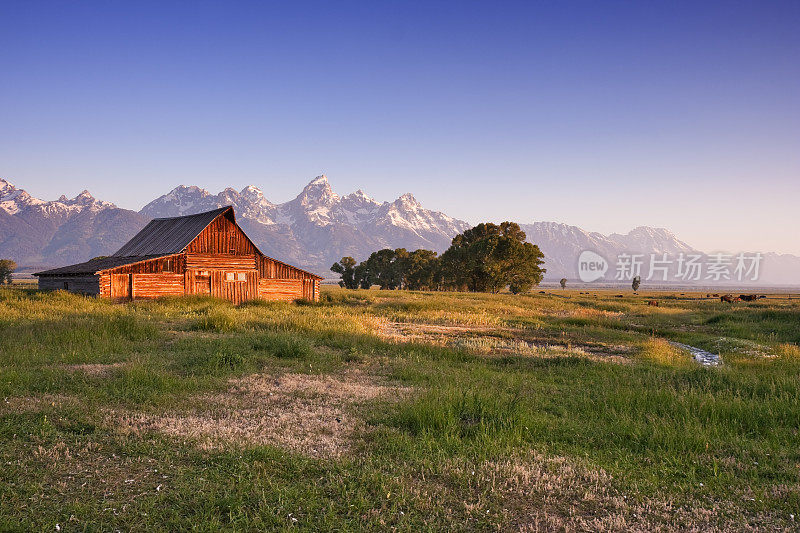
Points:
x=408, y=203
x=253, y=194
x=5, y=186
x=182, y=200
x=658, y=240
x=359, y=200
x=318, y=193
x=311, y=231
x=14, y=200
x=350, y=225
x=360, y=197
x=84, y=198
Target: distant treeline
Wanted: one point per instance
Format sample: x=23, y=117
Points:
x=486, y=258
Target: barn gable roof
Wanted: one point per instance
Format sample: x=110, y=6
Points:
x=164, y=236
x=160, y=237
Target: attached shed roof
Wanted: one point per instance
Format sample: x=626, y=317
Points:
x=164, y=236
x=93, y=266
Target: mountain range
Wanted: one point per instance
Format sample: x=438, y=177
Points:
x=311, y=231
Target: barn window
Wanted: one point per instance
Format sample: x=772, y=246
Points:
x=167, y=265
x=235, y=276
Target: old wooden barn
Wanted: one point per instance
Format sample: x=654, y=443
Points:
x=206, y=253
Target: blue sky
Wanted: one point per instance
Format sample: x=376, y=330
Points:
x=606, y=115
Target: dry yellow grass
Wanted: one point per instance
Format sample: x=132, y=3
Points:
x=556, y=493
x=788, y=351
x=312, y=415
x=661, y=351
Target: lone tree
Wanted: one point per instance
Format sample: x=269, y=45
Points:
x=7, y=266
x=636, y=282
x=563, y=283
x=347, y=268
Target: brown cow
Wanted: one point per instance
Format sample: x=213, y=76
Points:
x=730, y=298
x=654, y=303
x=749, y=297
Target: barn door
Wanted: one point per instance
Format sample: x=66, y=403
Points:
x=202, y=285
x=120, y=285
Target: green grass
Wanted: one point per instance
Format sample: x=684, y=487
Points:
x=511, y=411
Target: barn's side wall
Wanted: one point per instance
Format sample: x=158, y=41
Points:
x=236, y=291
x=280, y=289
x=229, y=262
x=270, y=268
x=153, y=278
x=79, y=284
x=157, y=285
x=174, y=264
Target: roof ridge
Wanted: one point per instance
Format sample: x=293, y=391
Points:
x=223, y=208
x=170, y=235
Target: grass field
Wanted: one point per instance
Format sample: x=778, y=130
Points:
x=399, y=410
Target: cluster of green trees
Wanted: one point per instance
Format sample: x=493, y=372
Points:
x=486, y=258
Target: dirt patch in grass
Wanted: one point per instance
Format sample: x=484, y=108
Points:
x=542, y=493
x=498, y=341
x=95, y=369
x=313, y=415
x=419, y=332
x=21, y=404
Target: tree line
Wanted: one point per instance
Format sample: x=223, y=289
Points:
x=486, y=258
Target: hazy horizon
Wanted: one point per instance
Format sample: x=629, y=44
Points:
x=604, y=116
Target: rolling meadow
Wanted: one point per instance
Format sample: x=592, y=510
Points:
x=399, y=410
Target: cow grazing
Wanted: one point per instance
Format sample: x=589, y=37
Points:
x=653, y=303
x=749, y=297
x=729, y=298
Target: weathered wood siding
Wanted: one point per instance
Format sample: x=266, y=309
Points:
x=222, y=236
x=105, y=285
x=157, y=285
x=198, y=282
x=272, y=269
x=280, y=289
x=176, y=264
x=231, y=262
x=311, y=289
x=120, y=285
x=80, y=284
x=234, y=290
